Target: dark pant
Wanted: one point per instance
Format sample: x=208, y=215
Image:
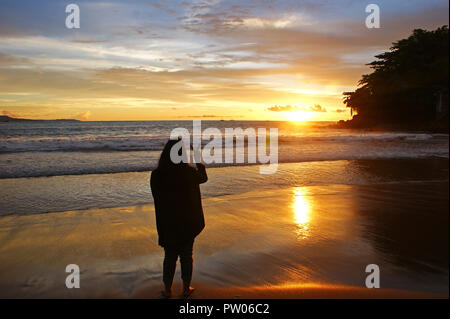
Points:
x=172, y=252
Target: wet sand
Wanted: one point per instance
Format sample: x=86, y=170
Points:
x=297, y=242
x=306, y=291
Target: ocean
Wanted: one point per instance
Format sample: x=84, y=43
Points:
x=35, y=149
x=59, y=166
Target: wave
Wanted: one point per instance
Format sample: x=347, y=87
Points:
x=37, y=156
x=156, y=143
x=129, y=143
x=97, y=168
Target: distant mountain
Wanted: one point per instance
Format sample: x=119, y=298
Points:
x=5, y=118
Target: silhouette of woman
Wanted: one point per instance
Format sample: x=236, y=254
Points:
x=179, y=213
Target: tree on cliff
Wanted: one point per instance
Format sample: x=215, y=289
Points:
x=407, y=82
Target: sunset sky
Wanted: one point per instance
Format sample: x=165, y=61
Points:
x=205, y=59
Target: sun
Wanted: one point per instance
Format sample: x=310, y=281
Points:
x=299, y=116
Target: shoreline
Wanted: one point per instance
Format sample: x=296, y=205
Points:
x=76, y=192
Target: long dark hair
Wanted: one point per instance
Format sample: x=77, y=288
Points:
x=165, y=162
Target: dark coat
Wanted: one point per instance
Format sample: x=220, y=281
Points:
x=178, y=203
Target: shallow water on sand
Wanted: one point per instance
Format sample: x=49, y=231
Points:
x=62, y=193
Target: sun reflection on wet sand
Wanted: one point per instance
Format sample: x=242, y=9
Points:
x=289, y=239
x=302, y=212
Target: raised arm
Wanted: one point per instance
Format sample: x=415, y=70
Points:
x=201, y=173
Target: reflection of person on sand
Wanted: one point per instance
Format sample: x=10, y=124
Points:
x=179, y=214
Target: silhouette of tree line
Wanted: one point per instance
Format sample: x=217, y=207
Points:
x=408, y=87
